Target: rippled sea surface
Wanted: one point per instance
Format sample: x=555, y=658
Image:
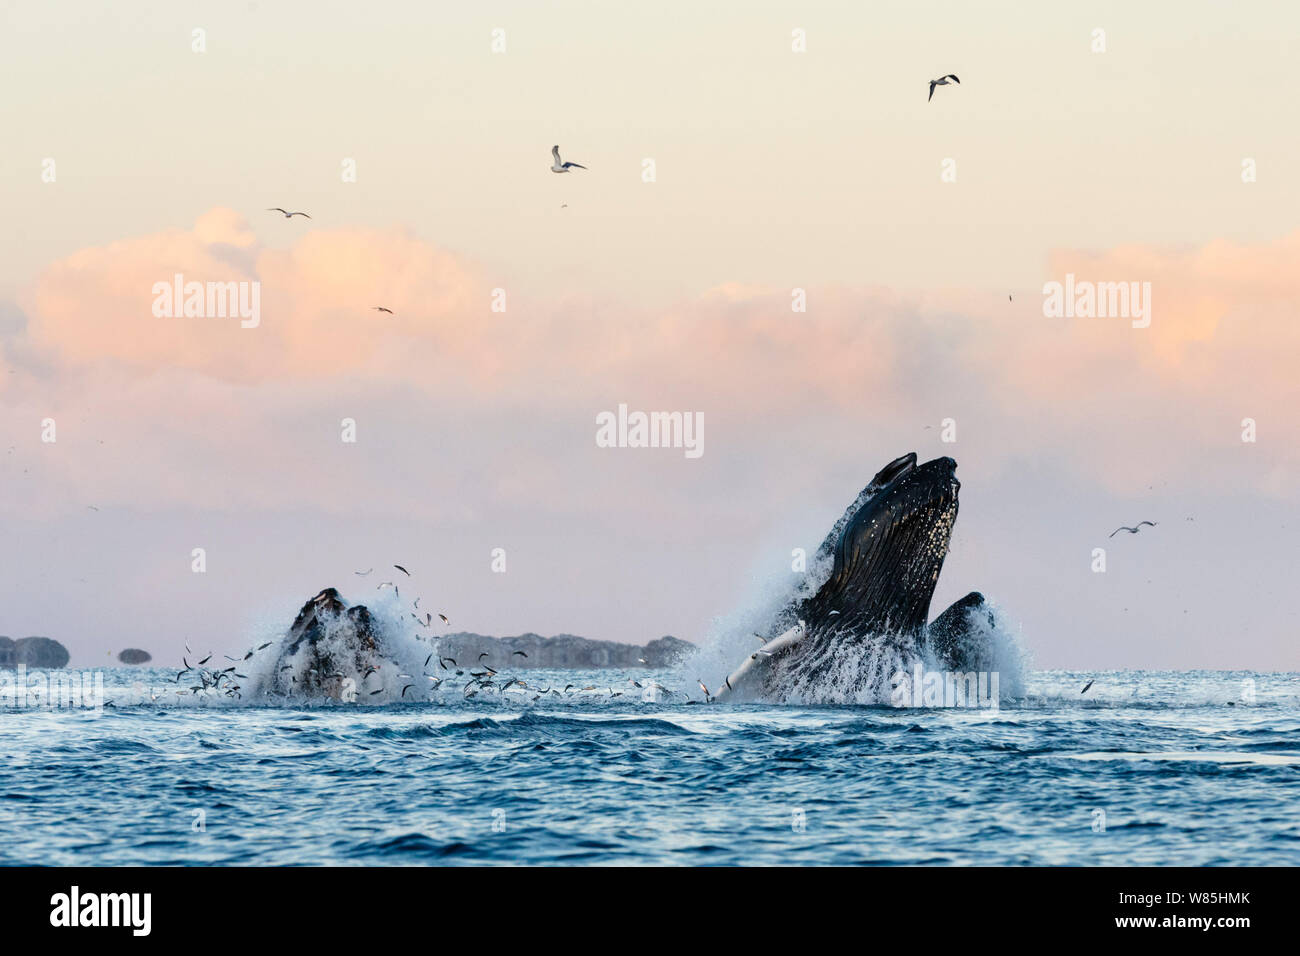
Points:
x=1146, y=768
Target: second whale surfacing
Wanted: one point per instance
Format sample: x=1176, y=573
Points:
x=885, y=553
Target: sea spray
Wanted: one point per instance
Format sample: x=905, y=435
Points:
x=768, y=612
x=393, y=671
x=858, y=670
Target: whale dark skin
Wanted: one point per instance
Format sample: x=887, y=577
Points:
x=887, y=552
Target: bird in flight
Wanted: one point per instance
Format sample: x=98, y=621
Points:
x=559, y=166
x=380, y=308
x=1085, y=687
x=941, y=81
x=1132, y=530
x=287, y=213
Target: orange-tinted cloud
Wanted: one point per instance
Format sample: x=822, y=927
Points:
x=865, y=368
x=315, y=301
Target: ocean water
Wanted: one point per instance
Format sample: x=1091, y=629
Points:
x=1146, y=768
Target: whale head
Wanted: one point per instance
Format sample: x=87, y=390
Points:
x=888, y=550
x=885, y=552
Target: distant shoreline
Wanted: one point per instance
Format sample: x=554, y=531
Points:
x=566, y=651
x=562, y=650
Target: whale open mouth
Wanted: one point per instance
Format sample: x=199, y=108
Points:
x=890, y=548
x=886, y=553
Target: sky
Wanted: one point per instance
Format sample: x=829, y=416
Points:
x=792, y=147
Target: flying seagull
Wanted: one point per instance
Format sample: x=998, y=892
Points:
x=941, y=81
x=380, y=308
x=1133, y=530
x=559, y=166
x=287, y=213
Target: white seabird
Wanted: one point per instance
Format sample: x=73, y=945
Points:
x=559, y=166
x=941, y=81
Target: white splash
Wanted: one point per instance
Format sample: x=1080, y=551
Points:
x=860, y=672
x=397, y=670
x=732, y=637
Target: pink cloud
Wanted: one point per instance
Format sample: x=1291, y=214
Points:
x=316, y=318
x=862, y=368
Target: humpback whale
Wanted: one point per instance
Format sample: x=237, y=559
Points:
x=885, y=554
x=329, y=651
